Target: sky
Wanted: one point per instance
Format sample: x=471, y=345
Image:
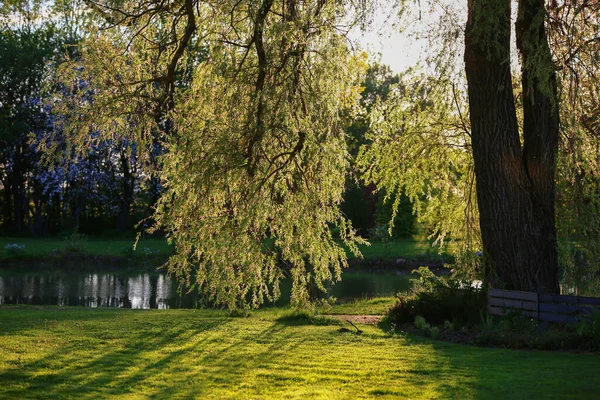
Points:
x=403, y=50
x=388, y=46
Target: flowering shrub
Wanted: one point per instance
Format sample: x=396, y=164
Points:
x=15, y=249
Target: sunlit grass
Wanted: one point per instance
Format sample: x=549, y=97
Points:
x=405, y=248
x=107, y=353
x=374, y=306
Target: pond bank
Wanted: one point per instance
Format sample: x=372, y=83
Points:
x=118, y=254
x=93, y=262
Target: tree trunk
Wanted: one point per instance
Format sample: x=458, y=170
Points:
x=127, y=188
x=540, y=128
x=7, y=214
x=18, y=186
x=520, y=253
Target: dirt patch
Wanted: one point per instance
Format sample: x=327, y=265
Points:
x=360, y=319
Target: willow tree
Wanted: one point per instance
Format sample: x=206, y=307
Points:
x=419, y=146
x=245, y=101
x=511, y=137
x=515, y=182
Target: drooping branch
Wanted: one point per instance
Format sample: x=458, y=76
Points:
x=258, y=129
x=190, y=29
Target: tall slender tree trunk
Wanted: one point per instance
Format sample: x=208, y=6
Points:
x=7, y=214
x=515, y=197
x=127, y=190
x=18, y=187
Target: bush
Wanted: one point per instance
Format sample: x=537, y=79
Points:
x=590, y=328
x=75, y=242
x=440, y=299
x=454, y=310
x=421, y=324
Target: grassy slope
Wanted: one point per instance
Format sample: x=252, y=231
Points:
x=79, y=353
x=41, y=247
x=406, y=248
x=374, y=306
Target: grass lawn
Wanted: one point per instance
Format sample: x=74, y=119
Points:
x=373, y=306
x=406, y=248
x=126, y=354
x=41, y=247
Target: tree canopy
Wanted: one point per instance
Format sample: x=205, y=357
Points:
x=236, y=112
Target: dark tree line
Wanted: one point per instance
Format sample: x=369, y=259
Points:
x=99, y=189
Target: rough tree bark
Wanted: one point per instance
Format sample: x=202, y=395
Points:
x=515, y=183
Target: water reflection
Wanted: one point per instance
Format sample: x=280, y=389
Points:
x=144, y=290
x=151, y=290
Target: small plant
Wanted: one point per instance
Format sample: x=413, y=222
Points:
x=452, y=326
x=381, y=233
x=519, y=323
x=76, y=242
x=487, y=321
x=581, y=328
x=240, y=313
x=590, y=327
x=422, y=325
x=595, y=325
x=148, y=252
x=15, y=249
x=306, y=317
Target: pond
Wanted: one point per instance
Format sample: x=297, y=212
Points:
x=145, y=290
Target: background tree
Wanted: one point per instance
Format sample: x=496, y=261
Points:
x=420, y=148
x=25, y=50
x=363, y=204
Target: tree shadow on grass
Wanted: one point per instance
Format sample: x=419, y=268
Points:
x=104, y=357
x=464, y=371
x=16, y=318
x=205, y=354
x=182, y=358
